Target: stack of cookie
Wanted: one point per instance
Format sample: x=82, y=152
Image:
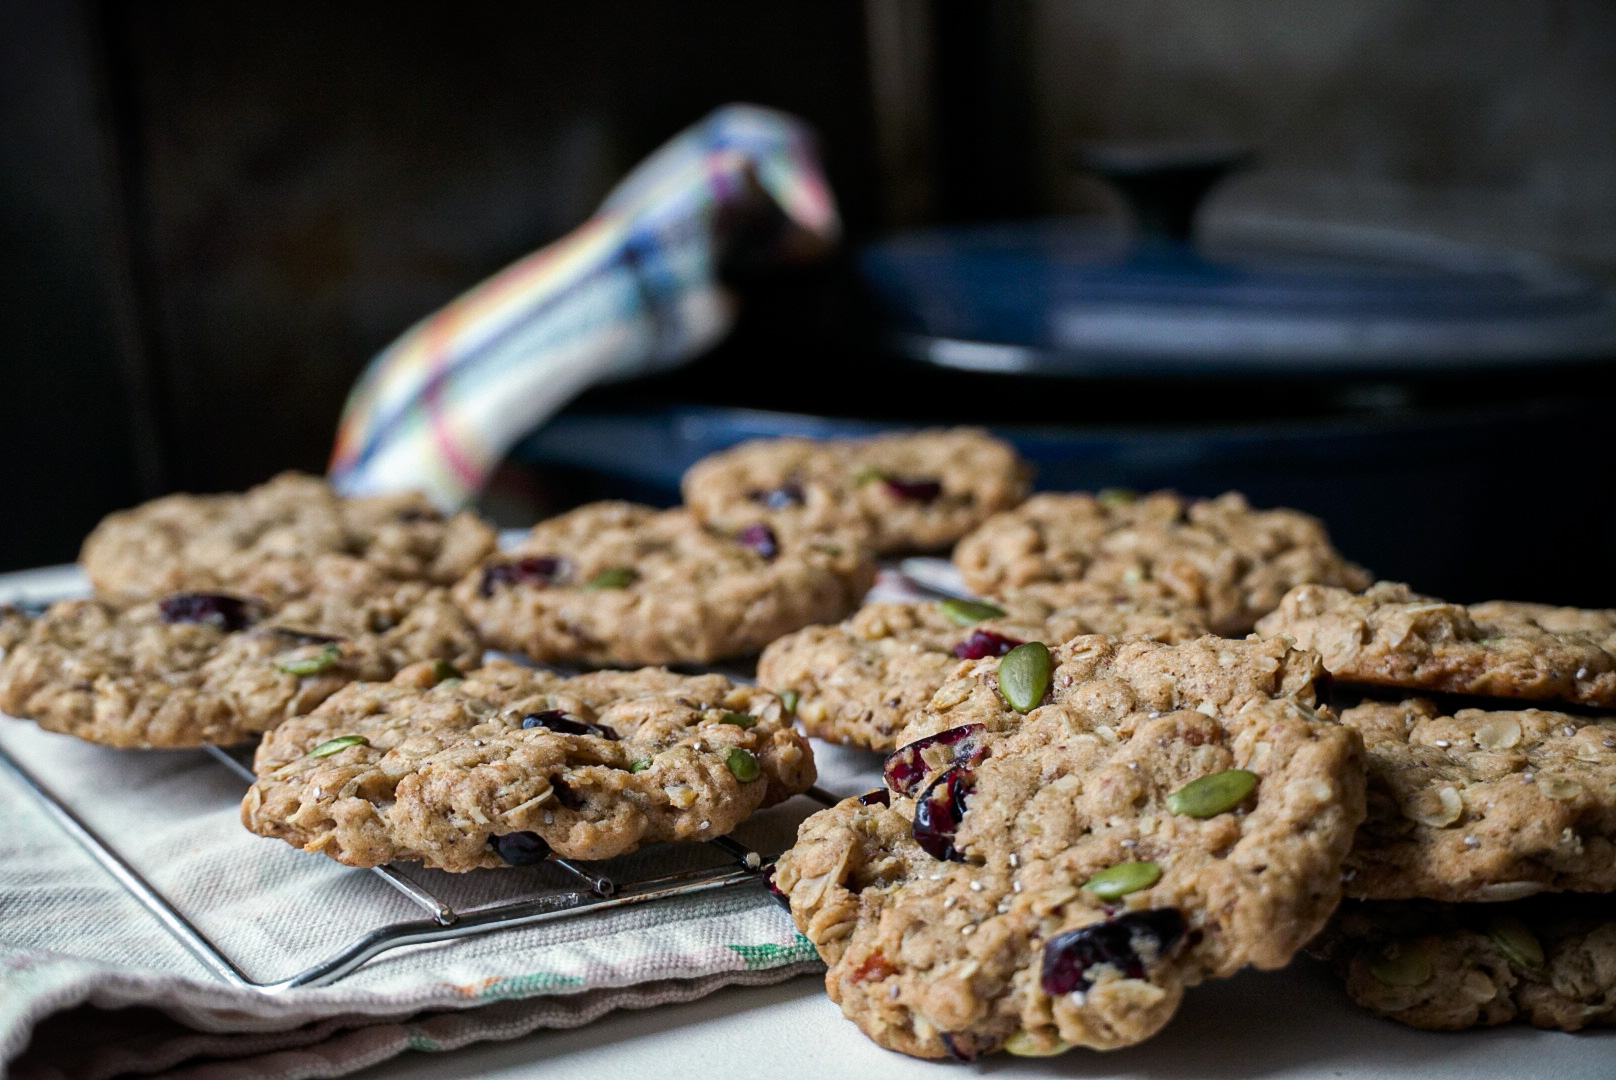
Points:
x=325, y=625
x=1101, y=787
x=1094, y=801
x=1482, y=877
x=216, y=618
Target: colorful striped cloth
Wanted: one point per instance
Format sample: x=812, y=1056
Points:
x=631, y=291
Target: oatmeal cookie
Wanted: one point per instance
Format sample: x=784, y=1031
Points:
x=1234, y=562
x=1033, y=881
x=197, y=668
x=909, y=491
x=1549, y=961
x=614, y=583
x=211, y=543
x=509, y=764
x=1391, y=636
x=1483, y=804
x=13, y=626
x=859, y=681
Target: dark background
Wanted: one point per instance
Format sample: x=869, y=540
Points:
x=213, y=214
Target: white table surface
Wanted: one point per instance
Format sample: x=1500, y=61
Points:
x=1291, y=1025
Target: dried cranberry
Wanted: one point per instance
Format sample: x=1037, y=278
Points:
x=876, y=968
x=532, y=570
x=225, y=612
x=959, y=1047
x=1121, y=942
x=774, y=890
x=565, y=795
x=907, y=768
x=520, y=848
x=561, y=723
x=985, y=643
x=912, y=490
x=783, y=497
x=879, y=797
x=761, y=539
x=939, y=812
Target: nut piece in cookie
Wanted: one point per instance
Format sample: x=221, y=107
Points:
x=859, y=682
x=908, y=491
x=508, y=764
x=1057, y=877
x=615, y=583
x=1391, y=636
x=1549, y=961
x=198, y=668
x=214, y=543
x=1219, y=554
x=1483, y=804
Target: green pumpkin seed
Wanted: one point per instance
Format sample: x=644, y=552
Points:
x=340, y=743
x=789, y=700
x=970, y=612
x=868, y=475
x=640, y=765
x=1117, y=497
x=739, y=719
x=1213, y=795
x=618, y=577
x=311, y=665
x=1518, y=944
x=1025, y=1044
x=1122, y=879
x=741, y=764
x=1024, y=676
x=443, y=671
x=1404, y=964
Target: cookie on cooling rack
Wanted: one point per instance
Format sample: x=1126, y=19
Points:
x=1483, y=804
x=907, y=491
x=1549, y=961
x=1074, y=840
x=214, y=543
x=1391, y=636
x=509, y=764
x=859, y=681
x=1234, y=562
x=198, y=668
x=615, y=583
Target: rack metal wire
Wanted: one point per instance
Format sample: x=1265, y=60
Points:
x=597, y=892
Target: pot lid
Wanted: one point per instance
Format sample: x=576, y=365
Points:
x=1084, y=296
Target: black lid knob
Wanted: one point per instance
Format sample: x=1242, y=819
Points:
x=1164, y=184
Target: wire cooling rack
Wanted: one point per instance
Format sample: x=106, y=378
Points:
x=593, y=892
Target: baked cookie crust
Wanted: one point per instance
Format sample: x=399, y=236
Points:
x=589, y=767
x=1483, y=804
x=213, y=543
x=1391, y=636
x=1549, y=961
x=1234, y=562
x=1041, y=881
x=908, y=491
x=860, y=681
x=199, y=668
x=615, y=583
